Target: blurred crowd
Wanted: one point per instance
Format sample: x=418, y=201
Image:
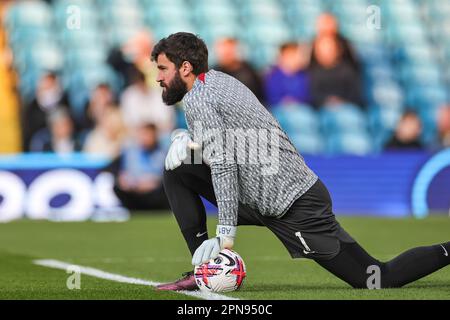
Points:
x=325, y=73
x=131, y=126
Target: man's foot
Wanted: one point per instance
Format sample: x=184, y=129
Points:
x=187, y=282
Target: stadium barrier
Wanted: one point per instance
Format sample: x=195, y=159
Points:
x=74, y=188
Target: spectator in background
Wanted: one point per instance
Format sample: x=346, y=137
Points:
x=101, y=99
x=229, y=61
x=443, y=123
x=62, y=138
x=288, y=81
x=49, y=97
x=142, y=104
x=133, y=57
x=407, y=134
x=108, y=135
x=139, y=170
x=333, y=80
x=327, y=26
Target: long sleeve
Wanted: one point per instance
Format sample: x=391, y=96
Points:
x=224, y=170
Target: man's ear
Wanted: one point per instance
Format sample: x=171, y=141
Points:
x=186, y=68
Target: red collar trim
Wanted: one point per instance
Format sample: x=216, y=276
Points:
x=201, y=77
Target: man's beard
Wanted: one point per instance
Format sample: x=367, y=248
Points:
x=174, y=91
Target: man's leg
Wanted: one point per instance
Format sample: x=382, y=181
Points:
x=153, y=200
x=355, y=266
x=184, y=186
x=309, y=229
x=127, y=198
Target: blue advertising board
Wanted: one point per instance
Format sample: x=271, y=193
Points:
x=67, y=188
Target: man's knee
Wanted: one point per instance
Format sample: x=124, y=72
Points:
x=178, y=175
x=170, y=176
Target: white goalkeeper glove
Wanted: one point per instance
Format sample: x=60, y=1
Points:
x=210, y=248
x=179, y=149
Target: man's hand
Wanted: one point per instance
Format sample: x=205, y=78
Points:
x=210, y=248
x=179, y=149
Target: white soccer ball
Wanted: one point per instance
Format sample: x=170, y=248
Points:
x=222, y=274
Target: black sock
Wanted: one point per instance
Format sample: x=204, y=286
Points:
x=355, y=266
x=183, y=187
x=415, y=264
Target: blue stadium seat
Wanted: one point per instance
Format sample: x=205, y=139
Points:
x=427, y=97
x=212, y=12
x=266, y=11
x=350, y=143
x=426, y=74
x=43, y=56
x=343, y=118
x=387, y=94
x=123, y=15
x=297, y=118
x=65, y=9
x=264, y=56
x=307, y=143
x=83, y=38
x=34, y=14
x=379, y=72
x=20, y=38
x=85, y=57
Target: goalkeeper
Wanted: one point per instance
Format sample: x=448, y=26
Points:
x=274, y=188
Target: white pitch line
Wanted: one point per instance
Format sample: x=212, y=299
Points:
x=55, y=264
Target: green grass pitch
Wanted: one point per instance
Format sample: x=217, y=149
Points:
x=151, y=248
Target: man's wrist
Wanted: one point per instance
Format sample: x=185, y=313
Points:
x=226, y=231
x=178, y=133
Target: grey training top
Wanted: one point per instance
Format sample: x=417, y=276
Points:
x=251, y=158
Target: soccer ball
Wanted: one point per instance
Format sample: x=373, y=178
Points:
x=222, y=274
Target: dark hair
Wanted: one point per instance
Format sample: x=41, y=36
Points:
x=409, y=112
x=103, y=85
x=183, y=46
x=288, y=45
x=137, y=76
x=149, y=126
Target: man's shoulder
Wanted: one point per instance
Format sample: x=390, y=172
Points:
x=205, y=88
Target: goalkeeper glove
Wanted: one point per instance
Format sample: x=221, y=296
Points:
x=210, y=248
x=179, y=149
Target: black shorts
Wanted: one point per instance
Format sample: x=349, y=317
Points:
x=308, y=229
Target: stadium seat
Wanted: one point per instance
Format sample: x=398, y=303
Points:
x=386, y=94
x=307, y=143
x=33, y=14
x=64, y=9
x=301, y=123
x=211, y=12
x=268, y=11
x=297, y=118
x=267, y=33
x=427, y=97
x=349, y=143
x=42, y=56
x=342, y=118
x=83, y=38
x=85, y=57
x=27, y=37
